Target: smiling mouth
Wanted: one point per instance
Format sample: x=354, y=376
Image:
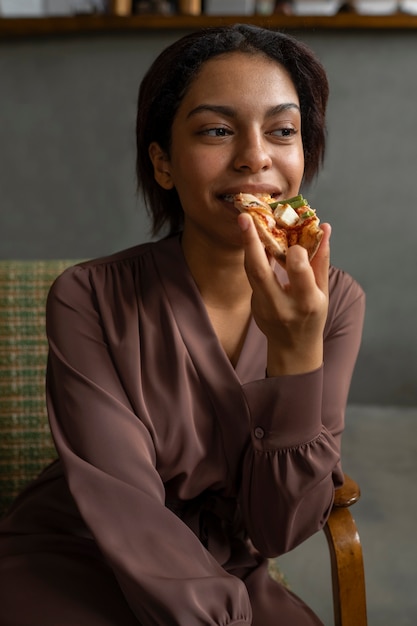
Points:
x=228, y=197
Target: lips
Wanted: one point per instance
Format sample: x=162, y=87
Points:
x=229, y=197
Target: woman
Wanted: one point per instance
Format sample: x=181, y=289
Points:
x=196, y=391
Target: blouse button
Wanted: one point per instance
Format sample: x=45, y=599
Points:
x=259, y=432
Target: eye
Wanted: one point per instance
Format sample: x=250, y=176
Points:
x=284, y=132
x=219, y=131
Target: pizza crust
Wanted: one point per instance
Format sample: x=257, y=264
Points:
x=310, y=238
x=275, y=240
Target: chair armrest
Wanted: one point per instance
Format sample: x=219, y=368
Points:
x=347, y=494
x=348, y=577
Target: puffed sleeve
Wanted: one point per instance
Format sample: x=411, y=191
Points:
x=165, y=573
x=292, y=464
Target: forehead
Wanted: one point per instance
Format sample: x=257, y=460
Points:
x=242, y=76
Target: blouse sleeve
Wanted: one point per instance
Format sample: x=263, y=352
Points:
x=292, y=464
x=109, y=461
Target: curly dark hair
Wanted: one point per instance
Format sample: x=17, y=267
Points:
x=171, y=74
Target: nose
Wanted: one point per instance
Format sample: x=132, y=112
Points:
x=252, y=153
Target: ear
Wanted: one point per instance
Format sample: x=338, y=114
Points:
x=161, y=166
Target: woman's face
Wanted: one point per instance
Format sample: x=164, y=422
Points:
x=238, y=129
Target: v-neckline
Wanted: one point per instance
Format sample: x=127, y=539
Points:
x=191, y=314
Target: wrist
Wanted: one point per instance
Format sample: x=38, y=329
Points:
x=282, y=362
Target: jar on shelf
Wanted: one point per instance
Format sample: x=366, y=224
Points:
x=189, y=7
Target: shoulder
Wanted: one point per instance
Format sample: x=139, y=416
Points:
x=346, y=295
x=118, y=276
x=111, y=265
x=342, y=286
x=84, y=281
x=114, y=262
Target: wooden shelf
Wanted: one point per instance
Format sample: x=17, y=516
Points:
x=88, y=24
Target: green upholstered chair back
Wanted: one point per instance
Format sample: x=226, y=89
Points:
x=25, y=442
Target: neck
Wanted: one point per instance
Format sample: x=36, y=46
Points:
x=221, y=278
x=218, y=272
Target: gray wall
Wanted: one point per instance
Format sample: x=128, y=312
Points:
x=67, y=187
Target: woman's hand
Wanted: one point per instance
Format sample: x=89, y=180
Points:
x=291, y=315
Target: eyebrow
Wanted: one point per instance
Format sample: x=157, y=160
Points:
x=231, y=112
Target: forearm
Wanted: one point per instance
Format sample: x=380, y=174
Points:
x=290, y=464
x=293, y=461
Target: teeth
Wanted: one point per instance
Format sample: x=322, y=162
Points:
x=230, y=197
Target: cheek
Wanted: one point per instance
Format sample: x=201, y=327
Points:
x=190, y=170
x=295, y=163
x=188, y=178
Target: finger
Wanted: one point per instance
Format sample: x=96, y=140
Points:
x=304, y=276
x=256, y=260
x=300, y=273
x=320, y=263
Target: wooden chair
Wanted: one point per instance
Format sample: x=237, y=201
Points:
x=26, y=444
x=348, y=576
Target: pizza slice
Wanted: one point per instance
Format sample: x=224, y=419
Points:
x=281, y=224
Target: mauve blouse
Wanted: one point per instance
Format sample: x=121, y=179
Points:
x=182, y=467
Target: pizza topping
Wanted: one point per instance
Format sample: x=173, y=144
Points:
x=296, y=202
x=285, y=215
x=282, y=223
x=306, y=214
